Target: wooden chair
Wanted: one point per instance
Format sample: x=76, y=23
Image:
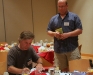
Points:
x=3, y=62
x=79, y=65
x=3, y=67
x=3, y=56
x=79, y=47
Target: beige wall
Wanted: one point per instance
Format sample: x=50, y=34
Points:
x=34, y=15
x=20, y=15
x=43, y=10
x=17, y=18
x=84, y=10
x=2, y=32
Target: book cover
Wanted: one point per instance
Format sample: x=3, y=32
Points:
x=59, y=30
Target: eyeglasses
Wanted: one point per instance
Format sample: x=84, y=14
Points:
x=61, y=6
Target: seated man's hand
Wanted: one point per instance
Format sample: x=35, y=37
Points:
x=39, y=67
x=25, y=71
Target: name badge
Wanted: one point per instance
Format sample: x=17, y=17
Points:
x=66, y=23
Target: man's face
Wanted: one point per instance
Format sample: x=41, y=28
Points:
x=62, y=8
x=25, y=44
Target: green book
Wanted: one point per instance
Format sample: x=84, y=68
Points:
x=59, y=30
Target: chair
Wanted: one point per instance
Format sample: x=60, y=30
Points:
x=3, y=62
x=3, y=67
x=3, y=56
x=79, y=65
x=79, y=47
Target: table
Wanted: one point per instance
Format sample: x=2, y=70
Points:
x=32, y=72
x=47, y=57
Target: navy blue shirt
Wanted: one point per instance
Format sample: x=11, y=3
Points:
x=70, y=23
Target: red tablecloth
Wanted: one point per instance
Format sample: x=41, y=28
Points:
x=49, y=56
x=36, y=48
x=33, y=73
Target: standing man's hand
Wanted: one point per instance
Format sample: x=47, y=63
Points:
x=57, y=35
x=64, y=36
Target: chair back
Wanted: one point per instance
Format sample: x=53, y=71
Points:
x=79, y=65
x=79, y=47
x=3, y=62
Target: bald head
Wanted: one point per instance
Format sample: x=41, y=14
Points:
x=62, y=7
x=64, y=1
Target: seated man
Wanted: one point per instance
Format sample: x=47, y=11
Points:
x=21, y=56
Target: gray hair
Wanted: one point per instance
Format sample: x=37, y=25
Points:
x=26, y=35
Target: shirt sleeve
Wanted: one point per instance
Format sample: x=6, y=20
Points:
x=78, y=23
x=11, y=57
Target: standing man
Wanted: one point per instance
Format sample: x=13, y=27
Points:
x=65, y=28
x=21, y=56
